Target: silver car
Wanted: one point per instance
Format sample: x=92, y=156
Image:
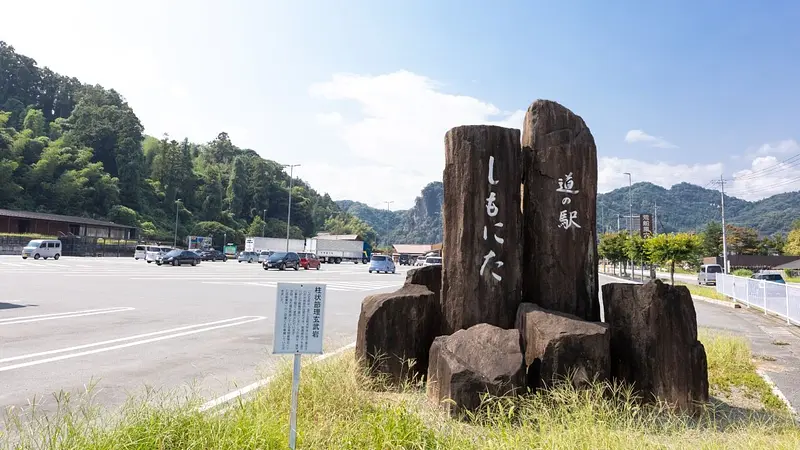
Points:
x=248, y=257
x=264, y=255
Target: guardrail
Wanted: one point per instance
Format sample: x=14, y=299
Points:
x=776, y=298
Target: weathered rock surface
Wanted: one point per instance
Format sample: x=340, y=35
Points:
x=482, y=227
x=462, y=366
x=394, y=328
x=654, y=342
x=557, y=345
x=428, y=276
x=560, y=176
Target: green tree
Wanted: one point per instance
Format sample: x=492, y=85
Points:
x=217, y=231
x=712, y=239
x=612, y=247
x=257, y=227
x=35, y=121
x=123, y=215
x=237, y=188
x=742, y=240
x=672, y=248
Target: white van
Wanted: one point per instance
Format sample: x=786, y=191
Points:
x=153, y=253
x=42, y=248
x=708, y=274
x=140, y=252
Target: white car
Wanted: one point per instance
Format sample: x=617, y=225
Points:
x=420, y=261
x=433, y=261
x=153, y=254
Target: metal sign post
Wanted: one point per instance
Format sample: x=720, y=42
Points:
x=299, y=316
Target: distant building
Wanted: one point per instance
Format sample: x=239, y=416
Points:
x=753, y=262
x=23, y=222
x=412, y=249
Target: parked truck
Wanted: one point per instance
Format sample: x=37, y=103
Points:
x=337, y=250
x=260, y=244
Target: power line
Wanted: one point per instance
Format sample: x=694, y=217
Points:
x=766, y=188
x=787, y=163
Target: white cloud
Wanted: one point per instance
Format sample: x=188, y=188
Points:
x=610, y=173
x=779, y=148
x=636, y=136
x=766, y=176
x=395, y=136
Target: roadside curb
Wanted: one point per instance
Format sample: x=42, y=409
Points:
x=778, y=392
x=716, y=302
x=215, y=404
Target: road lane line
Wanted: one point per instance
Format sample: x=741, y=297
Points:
x=242, y=320
x=65, y=315
x=129, y=338
x=261, y=383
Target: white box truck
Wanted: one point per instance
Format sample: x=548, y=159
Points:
x=260, y=244
x=336, y=250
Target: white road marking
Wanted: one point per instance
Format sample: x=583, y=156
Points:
x=223, y=324
x=65, y=315
x=261, y=383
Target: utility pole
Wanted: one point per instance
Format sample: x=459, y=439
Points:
x=655, y=220
x=602, y=218
x=618, y=228
x=289, y=212
x=388, y=222
x=630, y=204
x=175, y=240
x=724, y=232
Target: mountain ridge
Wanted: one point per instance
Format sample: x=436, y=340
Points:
x=682, y=207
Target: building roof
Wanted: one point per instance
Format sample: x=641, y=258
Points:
x=59, y=218
x=412, y=249
x=790, y=265
x=340, y=237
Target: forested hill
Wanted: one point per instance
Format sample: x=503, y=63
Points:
x=71, y=148
x=421, y=224
x=684, y=207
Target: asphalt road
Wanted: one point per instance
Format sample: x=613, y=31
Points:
x=126, y=324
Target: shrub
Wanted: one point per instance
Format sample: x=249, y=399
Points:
x=747, y=273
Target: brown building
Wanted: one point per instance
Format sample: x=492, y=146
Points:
x=58, y=225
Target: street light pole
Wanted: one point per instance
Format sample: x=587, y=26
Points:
x=264, y=227
x=388, y=222
x=175, y=240
x=289, y=212
x=724, y=232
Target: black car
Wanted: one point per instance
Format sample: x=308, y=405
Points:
x=405, y=260
x=213, y=255
x=282, y=261
x=178, y=257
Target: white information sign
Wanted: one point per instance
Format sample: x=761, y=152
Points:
x=299, y=317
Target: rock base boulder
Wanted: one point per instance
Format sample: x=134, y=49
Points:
x=395, y=332
x=468, y=363
x=654, y=342
x=559, y=345
x=428, y=276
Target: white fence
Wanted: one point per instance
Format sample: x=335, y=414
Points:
x=776, y=298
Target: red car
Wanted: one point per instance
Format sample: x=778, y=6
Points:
x=309, y=261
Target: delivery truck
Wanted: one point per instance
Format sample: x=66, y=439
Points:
x=336, y=250
x=260, y=244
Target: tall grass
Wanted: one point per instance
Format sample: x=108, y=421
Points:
x=340, y=408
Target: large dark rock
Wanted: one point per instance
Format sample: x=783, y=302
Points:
x=557, y=345
x=654, y=342
x=428, y=276
x=559, y=202
x=396, y=328
x=482, y=227
x=481, y=359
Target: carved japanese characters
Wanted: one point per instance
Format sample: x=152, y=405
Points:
x=482, y=227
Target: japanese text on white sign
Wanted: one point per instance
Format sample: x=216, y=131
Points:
x=299, y=315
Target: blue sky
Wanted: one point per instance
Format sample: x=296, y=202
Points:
x=361, y=92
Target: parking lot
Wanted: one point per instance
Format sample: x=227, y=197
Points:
x=126, y=324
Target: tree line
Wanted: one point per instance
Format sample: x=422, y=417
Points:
x=77, y=149
x=671, y=249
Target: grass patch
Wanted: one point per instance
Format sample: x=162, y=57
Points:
x=789, y=279
x=703, y=291
x=340, y=409
x=28, y=235
x=731, y=365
